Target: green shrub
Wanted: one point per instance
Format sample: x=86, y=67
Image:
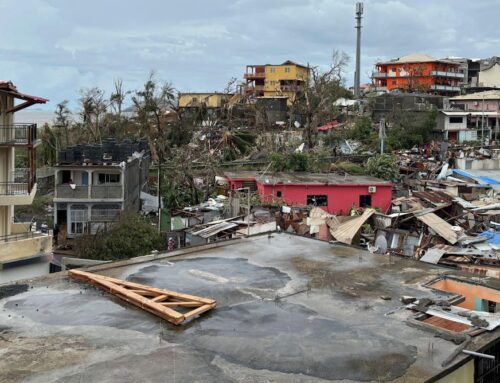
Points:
x=383, y=166
x=131, y=236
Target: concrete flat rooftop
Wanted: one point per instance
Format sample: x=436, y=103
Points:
x=290, y=309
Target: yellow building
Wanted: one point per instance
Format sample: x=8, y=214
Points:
x=288, y=79
x=17, y=185
x=210, y=100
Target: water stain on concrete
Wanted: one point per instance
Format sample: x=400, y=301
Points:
x=228, y=281
x=81, y=307
x=289, y=338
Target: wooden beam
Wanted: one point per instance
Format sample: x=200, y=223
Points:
x=153, y=300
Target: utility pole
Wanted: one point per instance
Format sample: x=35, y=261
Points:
x=482, y=124
x=359, y=13
x=381, y=134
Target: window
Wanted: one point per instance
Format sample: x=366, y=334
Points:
x=456, y=120
x=273, y=82
x=273, y=69
x=365, y=200
x=79, y=218
x=194, y=99
x=393, y=69
x=105, y=178
x=287, y=69
x=394, y=82
x=317, y=200
x=278, y=194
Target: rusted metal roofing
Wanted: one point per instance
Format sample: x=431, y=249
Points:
x=435, y=197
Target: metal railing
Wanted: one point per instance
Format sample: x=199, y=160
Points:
x=446, y=74
x=21, y=236
x=18, y=134
x=14, y=188
x=379, y=74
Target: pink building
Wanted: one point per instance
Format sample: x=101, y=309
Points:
x=334, y=193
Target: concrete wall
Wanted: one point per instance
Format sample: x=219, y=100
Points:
x=25, y=248
x=490, y=77
x=463, y=374
x=478, y=105
x=470, y=164
x=20, y=227
x=474, y=294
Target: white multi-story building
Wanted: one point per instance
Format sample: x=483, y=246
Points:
x=18, y=243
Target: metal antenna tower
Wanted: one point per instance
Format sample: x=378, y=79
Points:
x=359, y=13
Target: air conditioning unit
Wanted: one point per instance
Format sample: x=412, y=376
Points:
x=372, y=189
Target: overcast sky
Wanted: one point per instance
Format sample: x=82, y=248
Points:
x=53, y=48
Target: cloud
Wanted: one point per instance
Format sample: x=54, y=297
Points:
x=53, y=48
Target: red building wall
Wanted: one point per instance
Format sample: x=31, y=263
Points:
x=340, y=197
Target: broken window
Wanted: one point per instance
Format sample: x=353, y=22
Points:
x=365, y=200
x=317, y=200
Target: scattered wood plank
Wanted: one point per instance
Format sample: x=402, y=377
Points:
x=156, y=301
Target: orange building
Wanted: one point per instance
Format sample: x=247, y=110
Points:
x=418, y=73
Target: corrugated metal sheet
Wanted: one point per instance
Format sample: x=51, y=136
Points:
x=440, y=226
x=348, y=230
x=212, y=230
x=436, y=197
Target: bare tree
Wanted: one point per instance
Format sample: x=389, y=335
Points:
x=93, y=108
x=151, y=104
x=325, y=86
x=62, y=122
x=117, y=98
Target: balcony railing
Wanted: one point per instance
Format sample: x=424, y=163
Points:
x=438, y=73
x=255, y=75
x=445, y=88
x=106, y=191
x=18, y=134
x=21, y=182
x=256, y=88
x=66, y=191
x=379, y=74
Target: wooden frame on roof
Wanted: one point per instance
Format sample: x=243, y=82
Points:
x=162, y=303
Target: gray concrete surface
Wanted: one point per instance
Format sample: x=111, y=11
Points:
x=290, y=309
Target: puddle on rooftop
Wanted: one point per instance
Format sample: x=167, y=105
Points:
x=87, y=306
x=227, y=280
x=288, y=338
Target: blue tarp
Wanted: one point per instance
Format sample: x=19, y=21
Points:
x=484, y=179
x=493, y=238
